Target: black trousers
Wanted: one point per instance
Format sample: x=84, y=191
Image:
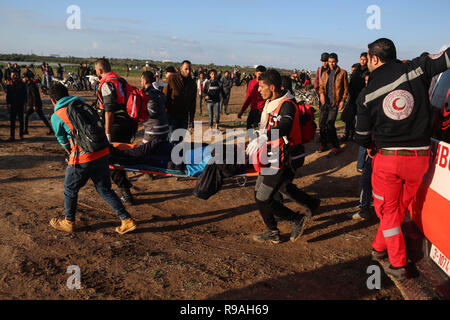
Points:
x=267, y=200
x=16, y=112
x=327, y=120
x=41, y=115
x=123, y=130
x=253, y=119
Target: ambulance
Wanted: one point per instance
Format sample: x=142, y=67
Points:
x=430, y=210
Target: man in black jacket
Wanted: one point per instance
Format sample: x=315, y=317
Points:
x=16, y=96
x=356, y=84
x=227, y=84
x=394, y=115
x=34, y=103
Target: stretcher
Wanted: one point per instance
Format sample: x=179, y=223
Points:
x=241, y=179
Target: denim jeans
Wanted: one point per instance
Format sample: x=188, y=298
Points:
x=78, y=175
x=365, y=183
x=362, y=152
x=213, y=112
x=86, y=82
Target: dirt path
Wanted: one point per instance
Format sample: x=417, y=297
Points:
x=184, y=248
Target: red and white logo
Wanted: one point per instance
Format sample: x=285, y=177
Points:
x=398, y=105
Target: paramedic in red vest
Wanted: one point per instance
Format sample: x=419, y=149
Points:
x=281, y=121
x=82, y=166
x=395, y=107
x=119, y=127
x=254, y=100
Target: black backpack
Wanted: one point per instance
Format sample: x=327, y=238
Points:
x=88, y=131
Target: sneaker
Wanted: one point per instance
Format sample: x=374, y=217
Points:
x=127, y=225
x=127, y=197
x=359, y=170
x=25, y=132
x=361, y=214
x=321, y=149
x=269, y=235
x=333, y=152
x=11, y=139
x=399, y=273
x=62, y=224
x=298, y=226
x=379, y=255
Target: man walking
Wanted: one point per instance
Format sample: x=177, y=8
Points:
x=34, y=103
x=227, y=84
x=333, y=91
x=212, y=92
x=16, y=96
x=181, y=93
x=254, y=100
x=119, y=127
x=83, y=164
x=395, y=110
x=278, y=137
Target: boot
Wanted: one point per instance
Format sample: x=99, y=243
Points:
x=127, y=225
x=62, y=224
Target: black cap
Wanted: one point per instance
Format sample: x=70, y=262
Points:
x=324, y=56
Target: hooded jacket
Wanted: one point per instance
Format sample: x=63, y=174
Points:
x=64, y=130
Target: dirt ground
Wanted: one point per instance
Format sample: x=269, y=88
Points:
x=184, y=247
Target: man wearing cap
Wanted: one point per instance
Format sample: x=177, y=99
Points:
x=394, y=115
x=255, y=101
x=333, y=92
x=320, y=71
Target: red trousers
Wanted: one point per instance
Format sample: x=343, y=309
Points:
x=395, y=181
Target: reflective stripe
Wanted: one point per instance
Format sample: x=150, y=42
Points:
x=377, y=196
x=388, y=88
x=299, y=156
x=363, y=133
x=391, y=232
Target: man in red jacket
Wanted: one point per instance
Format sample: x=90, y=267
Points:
x=255, y=101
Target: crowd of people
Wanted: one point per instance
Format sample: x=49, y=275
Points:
x=388, y=97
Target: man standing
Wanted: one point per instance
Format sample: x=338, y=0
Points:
x=8, y=72
x=255, y=101
x=320, y=71
x=227, y=84
x=278, y=137
x=357, y=83
x=119, y=127
x=83, y=164
x=34, y=103
x=181, y=93
x=60, y=72
x=200, y=85
x=395, y=110
x=333, y=91
x=16, y=96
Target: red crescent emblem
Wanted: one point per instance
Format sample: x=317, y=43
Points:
x=394, y=105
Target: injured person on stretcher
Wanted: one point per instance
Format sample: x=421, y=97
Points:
x=210, y=163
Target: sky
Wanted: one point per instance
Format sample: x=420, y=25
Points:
x=283, y=34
